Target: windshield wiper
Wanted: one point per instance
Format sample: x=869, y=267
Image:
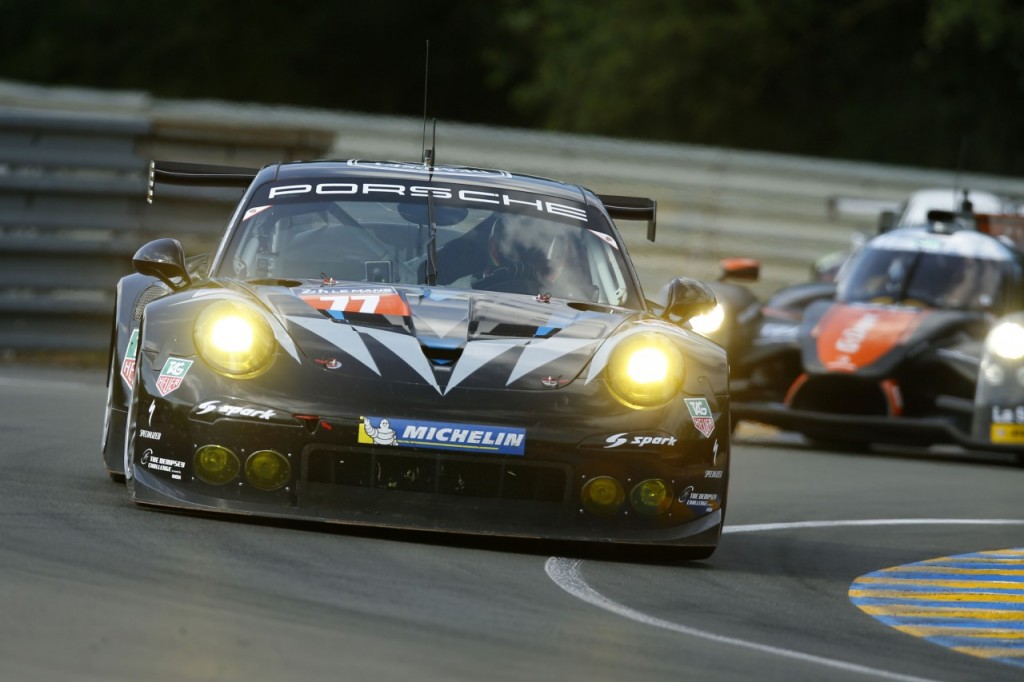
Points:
x=431, y=242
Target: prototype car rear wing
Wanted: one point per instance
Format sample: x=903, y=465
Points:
x=1009, y=226
x=197, y=175
x=632, y=208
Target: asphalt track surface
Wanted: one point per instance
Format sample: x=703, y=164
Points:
x=93, y=588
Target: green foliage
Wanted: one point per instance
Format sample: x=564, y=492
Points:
x=917, y=82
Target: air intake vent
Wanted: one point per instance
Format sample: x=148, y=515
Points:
x=148, y=295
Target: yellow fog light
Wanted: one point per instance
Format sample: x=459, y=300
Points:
x=215, y=464
x=602, y=495
x=651, y=497
x=645, y=370
x=267, y=470
x=234, y=339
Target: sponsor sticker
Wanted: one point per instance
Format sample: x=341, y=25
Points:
x=336, y=301
x=174, y=467
x=700, y=413
x=172, y=375
x=1008, y=415
x=639, y=440
x=707, y=500
x=524, y=202
x=1007, y=433
x=128, y=365
x=232, y=410
x=409, y=433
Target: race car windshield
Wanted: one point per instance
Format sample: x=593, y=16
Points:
x=490, y=239
x=922, y=278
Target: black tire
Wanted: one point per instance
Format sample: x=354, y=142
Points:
x=113, y=377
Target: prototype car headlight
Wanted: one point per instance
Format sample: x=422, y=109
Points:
x=234, y=339
x=710, y=322
x=645, y=370
x=1007, y=341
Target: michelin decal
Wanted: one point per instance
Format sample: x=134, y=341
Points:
x=407, y=433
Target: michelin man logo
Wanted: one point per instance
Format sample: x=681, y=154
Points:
x=382, y=434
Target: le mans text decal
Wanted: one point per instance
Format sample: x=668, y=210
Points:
x=407, y=433
x=1007, y=424
x=700, y=413
x=172, y=374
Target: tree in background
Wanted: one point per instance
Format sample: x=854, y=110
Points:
x=896, y=82
x=917, y=82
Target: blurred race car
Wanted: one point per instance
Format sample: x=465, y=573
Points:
x=920, y=341
x=416, y=346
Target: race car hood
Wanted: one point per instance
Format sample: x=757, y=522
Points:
x=849, y=337
x=871, y=339
x=443, y=337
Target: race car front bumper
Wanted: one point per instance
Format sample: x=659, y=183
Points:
x=914, y=431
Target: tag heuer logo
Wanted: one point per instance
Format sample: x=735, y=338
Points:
x=700, y=414
x=172, y=375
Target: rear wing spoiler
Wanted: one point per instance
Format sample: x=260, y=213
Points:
x=632, y=208
x=1009, y=226
x=197, y=175
x=210, y=175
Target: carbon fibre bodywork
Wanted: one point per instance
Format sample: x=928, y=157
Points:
x=393, y=402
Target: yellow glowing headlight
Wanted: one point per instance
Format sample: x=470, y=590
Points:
x=1007, y=341
x=234, y=339
x=645, y=370
x=710, y=322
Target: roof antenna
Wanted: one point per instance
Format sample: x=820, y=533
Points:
x=958, y=206
x=428, y=161
x=428, y=154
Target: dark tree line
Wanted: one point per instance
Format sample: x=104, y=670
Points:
x=917, y=82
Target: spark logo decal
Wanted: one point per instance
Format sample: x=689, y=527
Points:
x=700, y=413
x=172, y=375
x=639, y=440
x=407, y=433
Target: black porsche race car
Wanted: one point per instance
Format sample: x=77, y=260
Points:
x=919, y=342
x=403, y=345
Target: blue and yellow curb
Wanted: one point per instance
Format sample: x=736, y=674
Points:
x=971, y=603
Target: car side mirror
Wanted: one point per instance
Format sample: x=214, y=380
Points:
x=886, y=221
x=688, y=297
x=165, y=260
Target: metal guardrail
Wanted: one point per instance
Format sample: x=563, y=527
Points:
x=73, y=211
x=73, y=175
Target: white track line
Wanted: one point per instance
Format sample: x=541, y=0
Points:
x=566, y=574
x=759, y=527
